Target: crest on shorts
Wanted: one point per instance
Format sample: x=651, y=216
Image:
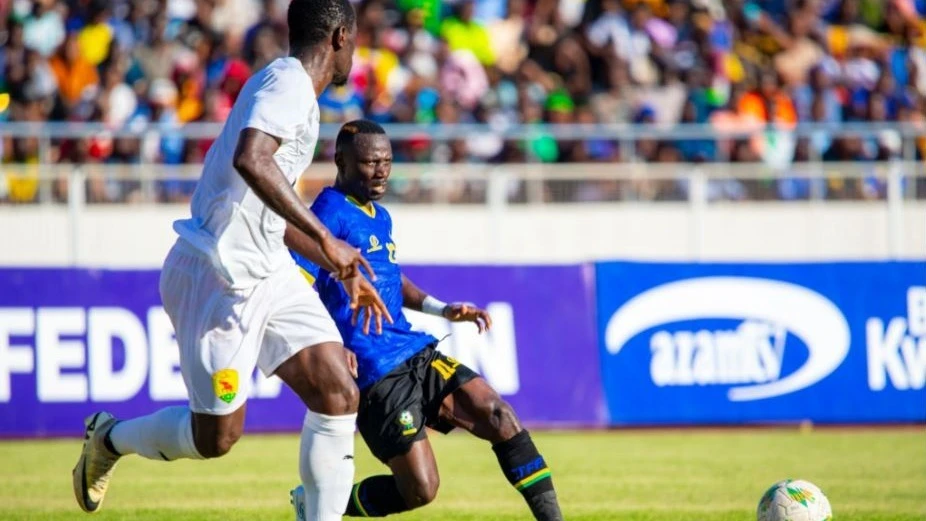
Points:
x=225, y=383
x=407, y=421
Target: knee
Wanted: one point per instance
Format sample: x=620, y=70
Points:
x=342, y=397
x=349, y=396
x=325, y=383
x=217, y=444
x=502, y=419
x=421, y=492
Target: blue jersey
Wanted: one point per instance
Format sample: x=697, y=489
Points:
x=370, y=230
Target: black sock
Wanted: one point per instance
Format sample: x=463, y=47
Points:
x=528, y=473
x=108, y=443
x=376, y=496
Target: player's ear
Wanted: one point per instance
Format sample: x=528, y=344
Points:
x=339, y=37
x=339, y=160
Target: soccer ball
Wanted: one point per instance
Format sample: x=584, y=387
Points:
x=794, y=500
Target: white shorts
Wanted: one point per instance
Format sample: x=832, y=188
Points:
x=224, y=333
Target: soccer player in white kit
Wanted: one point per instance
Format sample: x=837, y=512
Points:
x=236, y=298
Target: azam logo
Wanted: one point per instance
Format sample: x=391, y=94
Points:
x=375, y=245
x=811, y=317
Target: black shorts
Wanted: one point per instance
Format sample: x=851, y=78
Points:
x=395, y=410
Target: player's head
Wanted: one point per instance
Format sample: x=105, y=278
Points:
x=363, y=155
x=331, y=23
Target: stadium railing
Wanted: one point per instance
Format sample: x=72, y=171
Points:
x=498, y=186
x=625, y=135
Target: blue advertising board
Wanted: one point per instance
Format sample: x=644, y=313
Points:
x=735, y=343
x=75, y=341
x=674, y=344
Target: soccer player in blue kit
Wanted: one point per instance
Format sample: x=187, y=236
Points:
x=405, y=383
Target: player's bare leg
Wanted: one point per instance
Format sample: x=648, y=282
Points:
x=413, y=484
x=214, y=436
x=416, y=475
x=476, y=407
x=319, y=375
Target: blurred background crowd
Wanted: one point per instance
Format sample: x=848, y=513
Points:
x=730, y=64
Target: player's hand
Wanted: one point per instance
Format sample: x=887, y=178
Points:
x=351, y=362
x=346, y=259
x=364, y=298
x=459, y=312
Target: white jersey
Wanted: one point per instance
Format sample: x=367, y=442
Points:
x=229, y=223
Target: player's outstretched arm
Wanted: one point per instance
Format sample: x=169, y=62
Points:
x=363, y=295
x=254, y=162
x=414, y=298
x=307, y=247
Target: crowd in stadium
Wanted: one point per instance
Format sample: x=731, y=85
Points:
x=730, y=64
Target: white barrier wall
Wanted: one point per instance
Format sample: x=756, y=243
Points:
x=140, y=235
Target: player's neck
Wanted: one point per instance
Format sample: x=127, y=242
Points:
x=319, y=68
x=359, y=200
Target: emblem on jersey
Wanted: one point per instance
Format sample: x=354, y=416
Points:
x=225, y=383
x=375, y=245
x=407, y=421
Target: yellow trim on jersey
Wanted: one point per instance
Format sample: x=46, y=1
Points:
x=368, y=208
x=308, y=276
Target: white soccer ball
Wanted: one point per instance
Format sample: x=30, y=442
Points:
x=794, y=500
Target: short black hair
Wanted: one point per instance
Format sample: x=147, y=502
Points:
x=312, y=21
x=356, y=128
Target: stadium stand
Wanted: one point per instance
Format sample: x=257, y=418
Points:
x=728, y=64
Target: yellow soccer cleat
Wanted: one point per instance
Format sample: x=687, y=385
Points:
x=96, y=463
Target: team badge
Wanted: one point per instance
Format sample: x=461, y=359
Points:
x=375, y=245
x=407, y=421
x=225, y=383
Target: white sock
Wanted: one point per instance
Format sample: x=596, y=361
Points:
x=165, y=435
x=326, y=464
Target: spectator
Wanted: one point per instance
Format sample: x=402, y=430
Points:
x=611, y=29
x=696, y=150
x=95, y=38
x=819, y=86
x=263, y=47
x=571, y=64
x=595, y=150
x=117, y=100
x=464, y=79
x=157, y=58
x=13, y=55
x=757, y=67
x=767, y=102
x=462, y=32
x=508, y=37
x=75, y=75
x=43, y=30
x=339, y=104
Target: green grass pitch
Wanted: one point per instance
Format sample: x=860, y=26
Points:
x=698, y=475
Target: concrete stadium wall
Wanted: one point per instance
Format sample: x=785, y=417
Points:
x=139, y=236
